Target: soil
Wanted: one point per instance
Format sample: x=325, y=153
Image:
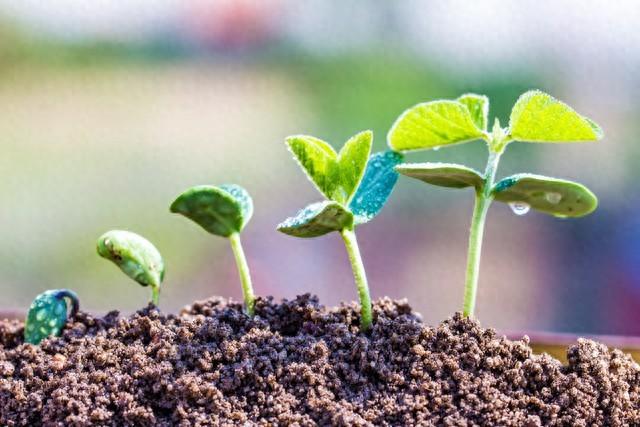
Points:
x=299, y=363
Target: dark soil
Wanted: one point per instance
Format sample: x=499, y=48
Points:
x=300, y=363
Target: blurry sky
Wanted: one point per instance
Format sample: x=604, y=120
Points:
x=110, y=109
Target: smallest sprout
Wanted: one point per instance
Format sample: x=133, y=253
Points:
x=48, y=314
x=136, y=257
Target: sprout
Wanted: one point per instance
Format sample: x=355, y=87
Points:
x=223, y=211
x=536, y=117
x=48, y=314
x=356, y=186
x=136, y=257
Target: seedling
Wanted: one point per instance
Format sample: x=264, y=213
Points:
x=136, y=257
x=48, y=314
x=356, y=189
x=223, y=211
x=536, y=117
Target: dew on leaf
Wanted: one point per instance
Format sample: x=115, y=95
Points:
x=519, y=208
x=553, y=197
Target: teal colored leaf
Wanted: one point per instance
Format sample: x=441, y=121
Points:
x=553, y=196
x=432, y=125
x=318, y=160
x=222, y=210
x=352, y=161
x=135, y=255
x=478, y=106
x=538, y=117
x=335, y=175
x=318, y=219
x=243, y=199
x=48, y=314
x=443, y=174
x=379, y=179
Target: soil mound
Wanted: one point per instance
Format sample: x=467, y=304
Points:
x=298, y=362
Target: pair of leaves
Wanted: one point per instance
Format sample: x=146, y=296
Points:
x=553, y=196
x=335, y=175
x=222, y=210
x=536, y=117
x=48, y=314
x=370, y=197
x=137, y=257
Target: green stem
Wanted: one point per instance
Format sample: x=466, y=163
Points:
x=155, y=295
x=243, y=270
x=360, y=277
x=475, y=248
x=482, y=202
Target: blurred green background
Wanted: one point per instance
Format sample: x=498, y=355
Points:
x=109, y=110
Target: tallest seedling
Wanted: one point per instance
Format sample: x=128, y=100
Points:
x=536, y=117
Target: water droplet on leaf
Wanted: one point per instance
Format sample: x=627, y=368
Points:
x=519, y=208
x=553, y=197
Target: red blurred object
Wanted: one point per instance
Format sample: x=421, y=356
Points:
x=233, y=24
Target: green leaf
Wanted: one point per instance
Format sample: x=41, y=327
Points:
x=135, y=255
x=243, y=198
x=336, y=176
x=478, y=106
x=553, y=196
x=318, y=219
x=538, y=117
x=222, y=210
x=443, y=174
x=432, y=125
x=48, y=314
x=352, y=162
x=379, y=179
x=318, y=160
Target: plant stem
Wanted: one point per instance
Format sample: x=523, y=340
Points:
x=243, y=270
x=473, y=258
x=360, y=277
x=155, y=295
x=482, y=202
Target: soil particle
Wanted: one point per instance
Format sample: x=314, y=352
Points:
x=299, y=363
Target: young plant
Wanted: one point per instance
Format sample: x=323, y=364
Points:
x=136, y=257
x=223, y=211
x=48, y=314
x=536, y=117
x=356, y=188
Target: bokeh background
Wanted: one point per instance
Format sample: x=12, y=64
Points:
x=108, y=110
